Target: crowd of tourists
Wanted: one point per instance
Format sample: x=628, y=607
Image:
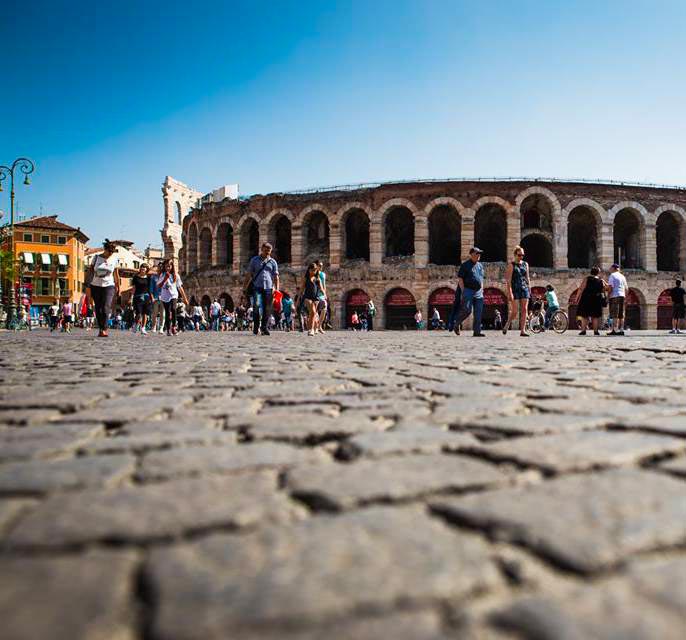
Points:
x=159, y=303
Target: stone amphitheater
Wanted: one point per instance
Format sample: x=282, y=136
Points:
x=399, y=243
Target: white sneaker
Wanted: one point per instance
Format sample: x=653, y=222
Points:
x=310, y=332
x=154, y=330
x=672, y=330
x=144, y=331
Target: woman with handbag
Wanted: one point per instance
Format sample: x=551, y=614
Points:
x=142, y=299
x=591, y=301
x=103, y=284
x=170, y=286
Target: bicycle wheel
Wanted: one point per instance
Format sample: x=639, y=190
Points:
x=537, y=323
x=559, y=323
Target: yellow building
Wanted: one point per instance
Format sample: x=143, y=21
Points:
x=50, y=259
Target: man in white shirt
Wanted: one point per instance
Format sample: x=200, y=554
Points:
x=617, y=288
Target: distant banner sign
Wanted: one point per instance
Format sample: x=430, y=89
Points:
x=665, y=299
x=357, y=298
x=442, y=297
x=494, y=297
x=400, y=298
x=632, y=298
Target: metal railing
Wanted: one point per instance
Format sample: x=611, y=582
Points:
x=373, y=185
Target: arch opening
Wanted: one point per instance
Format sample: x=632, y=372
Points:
x=316, y=230
x=355, y=301
x=205, y=303
x=538, y=250
x=205, y=257
x=494, y=300
x=399, y=308
x=399, y=232
x=281, y=232
x=224, y=245
x=490, y=232
x=357, y=235
x=633, y=316
x=445, y=235
x=250, y=240
x=668, y=236
x=441, y=299
x=179, y=212
x=664, y=310
x=192, y=253
x=536, y=212
x=226, y=301
x=582, y=238
x=627, y=239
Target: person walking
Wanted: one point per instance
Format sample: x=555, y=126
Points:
x=311, y=297
x=261, y=282
x=142, y=298
x=591, y=301
x=322, y=303
x=215, y=314
x=170, y=289
x=457, y=303
x=287, y=306
x=371, y=313
x=552, y=304
x=470, y=280
x=616, y=289
x=518, y=290
x=54, y=316
x=67, y=316
x=103, y=284
x=197, y=314
x=157, y=316
x=677, y=295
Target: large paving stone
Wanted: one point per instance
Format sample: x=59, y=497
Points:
x=581, y=451
x=602, y=407
x=10, y=511
x=675, y=425
x=41, y=476
x=421, y=625
x=226, y=459
x=585, y=523
x=28, y=416
x=45, y=441
x=537, y=423
x=155, y=512
x=648, y=602
x=676, y=466
x=320, y=569
x=120, y=410
x=462, y=409
x=73, y=598
x=407, y=440
x=292, y=426
x=389, y=480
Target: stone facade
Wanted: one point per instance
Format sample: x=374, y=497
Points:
x=178, y=199
x=408, y=235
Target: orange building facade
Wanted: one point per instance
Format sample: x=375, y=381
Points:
x=49, y=257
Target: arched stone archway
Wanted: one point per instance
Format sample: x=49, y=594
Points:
x=179, y=212
x=355, y=229
x=281, y=238
x=627, y=234
x=538, y=250
x=583, y=238
x=572, y=307
x=205, y=248
x=664, y=309
x=224, y=245
x=445, y=235
x=355, y=301
x=192, y=253
x=669, y=241
x=316, y=237
x=399, y=309
x=494, y=300
x=536, y=213
x=441, y=299
x=634, y=311
x=250, y=240
x=490, y=232
x=226, y=301
x=399, y=232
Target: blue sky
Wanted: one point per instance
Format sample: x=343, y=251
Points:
x=109, y=97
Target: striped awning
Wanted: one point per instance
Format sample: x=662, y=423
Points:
x=28, y=257
x=45, y=258
x=62, y=259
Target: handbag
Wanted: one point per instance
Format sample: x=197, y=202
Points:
x=250, y=289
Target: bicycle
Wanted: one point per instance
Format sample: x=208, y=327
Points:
x=559, y=322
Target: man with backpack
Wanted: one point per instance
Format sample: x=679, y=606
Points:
x=261, y=282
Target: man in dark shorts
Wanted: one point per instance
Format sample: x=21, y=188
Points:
x=678, y=306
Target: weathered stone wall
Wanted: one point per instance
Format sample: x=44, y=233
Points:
x=178, y=199
x=379, y=275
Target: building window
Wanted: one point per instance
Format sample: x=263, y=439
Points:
x=46, y=261
x=43, y=286
x=61, y=240
x=28, y=237
x=63, y=287
x=136, y=264
x=45, y=239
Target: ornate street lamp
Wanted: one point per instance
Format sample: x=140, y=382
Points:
x=25, y=166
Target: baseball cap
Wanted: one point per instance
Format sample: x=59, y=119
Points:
x=614, y=266
x=475, y=250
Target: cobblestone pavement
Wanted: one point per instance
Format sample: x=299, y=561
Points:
x=355, y=486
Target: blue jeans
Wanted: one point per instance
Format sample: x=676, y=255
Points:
x=549, y=314
x=469, y=302
x=455, y=310
x=215, y=323
x=261, y=308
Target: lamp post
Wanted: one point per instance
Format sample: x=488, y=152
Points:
x=25, y=166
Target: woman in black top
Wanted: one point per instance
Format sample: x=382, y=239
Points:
x=142, y=299
x=591, y=301
x=311, y=297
